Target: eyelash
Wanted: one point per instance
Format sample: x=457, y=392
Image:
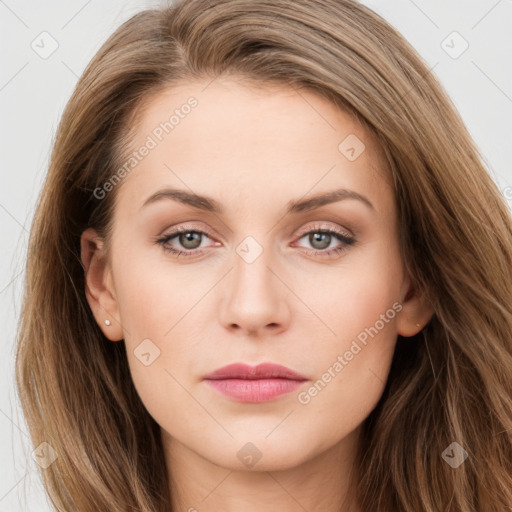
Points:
x=347, y=241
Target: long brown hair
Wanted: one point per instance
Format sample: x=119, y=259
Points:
x=450, y=383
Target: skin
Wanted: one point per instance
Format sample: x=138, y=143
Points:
x=289, y=306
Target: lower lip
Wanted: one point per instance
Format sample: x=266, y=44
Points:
x=258, y=390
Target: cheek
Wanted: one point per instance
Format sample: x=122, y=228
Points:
x=351, y=370
x=157, y=306
x=154, y=293
x=350, y=298
x=352, y=360
x=346, y=391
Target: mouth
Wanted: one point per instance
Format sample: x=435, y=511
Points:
x=254, y=384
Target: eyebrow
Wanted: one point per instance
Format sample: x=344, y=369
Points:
x=302, y=205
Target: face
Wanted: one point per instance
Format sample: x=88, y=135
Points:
x=291, y=258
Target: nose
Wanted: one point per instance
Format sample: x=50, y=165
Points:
x=254, y=298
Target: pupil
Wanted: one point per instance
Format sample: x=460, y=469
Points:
x=187, y=240
x=317, y=237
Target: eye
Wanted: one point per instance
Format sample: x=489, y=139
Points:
x=322, y=238
x=189, y=239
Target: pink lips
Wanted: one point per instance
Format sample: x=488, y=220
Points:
x=261, y=383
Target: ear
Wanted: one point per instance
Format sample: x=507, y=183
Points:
x=99, y=287
x=416, y=310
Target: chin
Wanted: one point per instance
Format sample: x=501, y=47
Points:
x=255, y=453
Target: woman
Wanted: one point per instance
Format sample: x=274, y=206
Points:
x=267, y=269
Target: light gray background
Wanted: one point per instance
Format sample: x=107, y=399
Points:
x=34, y=91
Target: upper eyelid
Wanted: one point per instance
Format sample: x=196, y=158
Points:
x=316, y=227
x=344, y=232
x=320, y=227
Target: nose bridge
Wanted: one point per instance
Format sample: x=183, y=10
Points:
x=251, y=272
x=253, y=295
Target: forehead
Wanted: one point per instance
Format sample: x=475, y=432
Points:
x=230, y=135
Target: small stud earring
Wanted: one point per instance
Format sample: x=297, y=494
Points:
x=107, y=322
x=418, y=325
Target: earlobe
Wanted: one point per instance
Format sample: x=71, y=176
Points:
x=99, y=288
x=416, y=311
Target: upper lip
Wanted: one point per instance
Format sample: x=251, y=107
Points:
x=261, y=371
